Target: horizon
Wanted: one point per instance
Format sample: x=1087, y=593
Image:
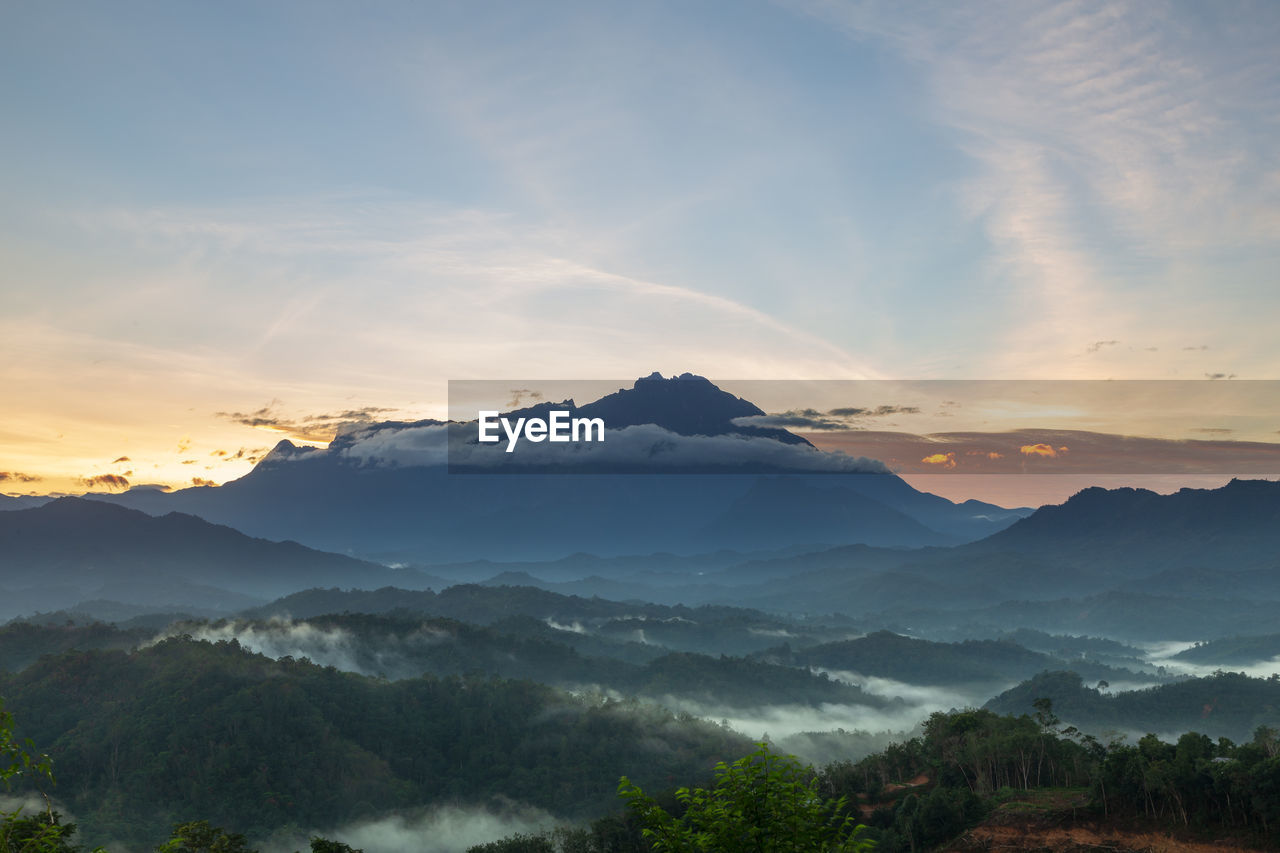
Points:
x=998, y=463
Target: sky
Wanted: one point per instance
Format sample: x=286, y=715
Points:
x=314, y=213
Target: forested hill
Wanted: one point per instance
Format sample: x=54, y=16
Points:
x=970, y=663
x=401, y=645
x=1225, y=704
x=188, y=729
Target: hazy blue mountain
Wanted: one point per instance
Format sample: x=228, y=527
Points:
x=1234, y=651
x=813, y=510
x=970, y=663
x=1099, y=556
x=383, y=491
x=21, y=501
x=90, y=549
x=1136, y=532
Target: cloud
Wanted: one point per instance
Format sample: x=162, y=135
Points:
x=277, y=638
x=849, y=417
x=946, y=460
x=312, y=427
x=151, y=487
x=518, y=395
x=877, y=412
x=1097, y=345
x=1213, y=430
x=1219, y=376
x=250, y=455
x=810, y=419
x=121, y=459
x=107, y=481
x=1106, y=140
x=18, y=477
x=642, y=448
x=647, y=448
x=362, y=416
x=1038, y=450
x=1059, y=451
x=1192, y=349
x=443, y=829
x=201, y=481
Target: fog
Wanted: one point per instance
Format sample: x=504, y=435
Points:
x=929, y=698
x=782, y=721
x=1258, y=669
x=1162, y=654
x=1159, y=652
x=281, y=637
x=574, y=627
x=277, y=638
x=442, y=829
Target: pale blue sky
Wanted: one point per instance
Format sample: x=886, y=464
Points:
x=208, y=207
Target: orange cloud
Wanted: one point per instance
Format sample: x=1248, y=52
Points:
x=1038, y=450
x=946, y=460
x=109, y=481
x=994, y=455
x=201, y=481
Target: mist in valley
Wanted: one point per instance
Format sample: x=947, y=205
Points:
x=441, y=829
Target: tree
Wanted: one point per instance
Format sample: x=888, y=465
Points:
x=201, y=837
x=763, y=802
x=39, y=833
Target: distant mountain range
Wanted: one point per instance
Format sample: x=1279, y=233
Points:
x=1194, y=565
x=384, y=492
x=72, y=549
x=1136, y=532
x=1129, y=563
x=1076, y=575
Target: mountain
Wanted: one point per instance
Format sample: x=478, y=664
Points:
x=183, y=728
x=812, y=510
x=1225, y=704
x=1123, y=563
x=91, y=549
x=972, y=663
x=686, y=405
x=1234, y=651
x=1136, y=532
x=21, y=502
x=384, y=491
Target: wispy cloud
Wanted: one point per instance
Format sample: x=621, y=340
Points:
x=312, y=427
x=1112, y=142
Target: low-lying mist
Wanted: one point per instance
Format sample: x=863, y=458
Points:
x=281, y=637
x=443, y=829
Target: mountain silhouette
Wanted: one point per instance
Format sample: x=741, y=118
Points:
x=381, y=491
x=97, y=549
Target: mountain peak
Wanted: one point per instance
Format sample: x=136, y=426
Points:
x=686, y=404
x=284, y=450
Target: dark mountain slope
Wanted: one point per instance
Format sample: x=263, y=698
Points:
x=1136, y=532
x=93, y=545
